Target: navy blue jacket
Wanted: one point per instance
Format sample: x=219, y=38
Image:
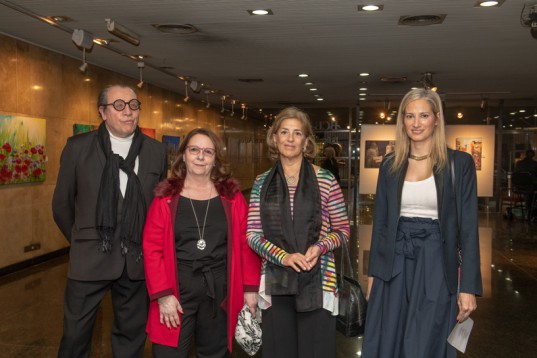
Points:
x=386, y=217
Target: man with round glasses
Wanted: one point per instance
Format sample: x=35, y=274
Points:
x=104, y=187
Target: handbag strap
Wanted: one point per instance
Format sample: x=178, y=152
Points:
x=346, y=258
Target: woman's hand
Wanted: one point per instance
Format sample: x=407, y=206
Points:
x=250, y=298
x=369, y=285
x=297, y=262
x=169, y=307
x=312, y=255
x=467, y=305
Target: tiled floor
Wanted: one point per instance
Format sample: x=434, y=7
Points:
x=505, y=322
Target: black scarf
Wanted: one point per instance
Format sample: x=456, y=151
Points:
x=292, y=233
x=134, y=206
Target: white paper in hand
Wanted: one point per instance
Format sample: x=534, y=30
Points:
x=460, y=334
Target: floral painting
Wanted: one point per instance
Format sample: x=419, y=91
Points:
x=22, y=149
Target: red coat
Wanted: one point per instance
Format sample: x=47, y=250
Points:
x=243, y=264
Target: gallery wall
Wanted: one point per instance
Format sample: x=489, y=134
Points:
x=38, y=83
x=477, y=140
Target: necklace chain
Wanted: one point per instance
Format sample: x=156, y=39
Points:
x=418, y=157
x=201, y=244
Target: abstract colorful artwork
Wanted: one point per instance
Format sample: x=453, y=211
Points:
x=84, y=128
x=472, y=146
x=22, y=149
x=172, y=146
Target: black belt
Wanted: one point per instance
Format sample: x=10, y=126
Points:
x=208, y=270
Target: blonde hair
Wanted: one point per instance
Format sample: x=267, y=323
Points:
x=439, y=156
x=303, y=118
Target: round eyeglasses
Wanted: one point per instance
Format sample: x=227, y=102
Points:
x=120, y=104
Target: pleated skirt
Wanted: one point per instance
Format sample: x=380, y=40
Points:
x=412, y=315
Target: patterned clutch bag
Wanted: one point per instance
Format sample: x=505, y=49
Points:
x=248, y=331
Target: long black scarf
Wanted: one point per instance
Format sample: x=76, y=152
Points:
x=134, y=205
x=294, y=233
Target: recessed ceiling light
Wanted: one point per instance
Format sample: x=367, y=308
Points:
x=362, y=98
x=309, y=83
x=363, y=94
x=488, y=3
x=364, y=74
x=370, y=7
x=363, y=89
x=320, y=99
x=316, y=95
x=303, y=75
x=260, y=12
x=522, y=110
x=313, y=89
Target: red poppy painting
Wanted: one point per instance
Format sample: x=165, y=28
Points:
x=22, y=149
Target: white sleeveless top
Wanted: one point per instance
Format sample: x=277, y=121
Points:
x=419, y=199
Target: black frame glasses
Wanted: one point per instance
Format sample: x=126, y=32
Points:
x=120, y=104
x=195, y=150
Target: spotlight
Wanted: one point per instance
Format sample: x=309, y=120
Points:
x=122, y=32
x=186, y=92
x=140, y=84
x=141, y=66
x=83, y=67
x=427, y=82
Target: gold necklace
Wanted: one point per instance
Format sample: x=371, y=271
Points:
x=418, y=158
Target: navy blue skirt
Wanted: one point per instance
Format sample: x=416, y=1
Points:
x=412, y=315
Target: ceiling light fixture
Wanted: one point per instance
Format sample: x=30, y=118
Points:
x=122, y=32
x=141, y=66
x=313, y=89
x=186, y=92
x=223, y=98
x=364, y=74
x=303, y=75
x=260, y=12
x=232, y=108
x=427, y=82
x=488, y=3
x=370, y=7
x=207, y=98
x=84, y=40
x=244, y=109
x=308, y=84
x=320, y=99
x=363, y=88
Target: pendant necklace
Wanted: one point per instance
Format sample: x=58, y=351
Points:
x=291, y=179
x=418, y=158
x=201, y=244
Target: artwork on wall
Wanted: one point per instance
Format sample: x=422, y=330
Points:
x=150, y=132
x=22, y=149
x=376, y=150
x=172, y=146
x=472, y=146
x=84, y=128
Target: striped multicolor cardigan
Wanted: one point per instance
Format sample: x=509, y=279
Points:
x=335, y=227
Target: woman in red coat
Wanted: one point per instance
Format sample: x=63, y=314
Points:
x=199, y=269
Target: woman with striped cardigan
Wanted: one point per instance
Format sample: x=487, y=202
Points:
x=297, y=217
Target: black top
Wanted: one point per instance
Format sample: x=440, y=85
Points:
x=187, y=235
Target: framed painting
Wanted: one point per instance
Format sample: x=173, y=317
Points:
x=22, y=149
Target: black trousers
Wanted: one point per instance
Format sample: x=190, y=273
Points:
x=203, y=318
x=82, y=300
x=291, y=334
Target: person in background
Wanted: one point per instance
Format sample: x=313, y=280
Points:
x=199, y=269
x=423, y=216
x=330, y=163
x=104, y=186
x=297, y=218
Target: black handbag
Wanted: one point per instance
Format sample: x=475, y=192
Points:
x=352, y=304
